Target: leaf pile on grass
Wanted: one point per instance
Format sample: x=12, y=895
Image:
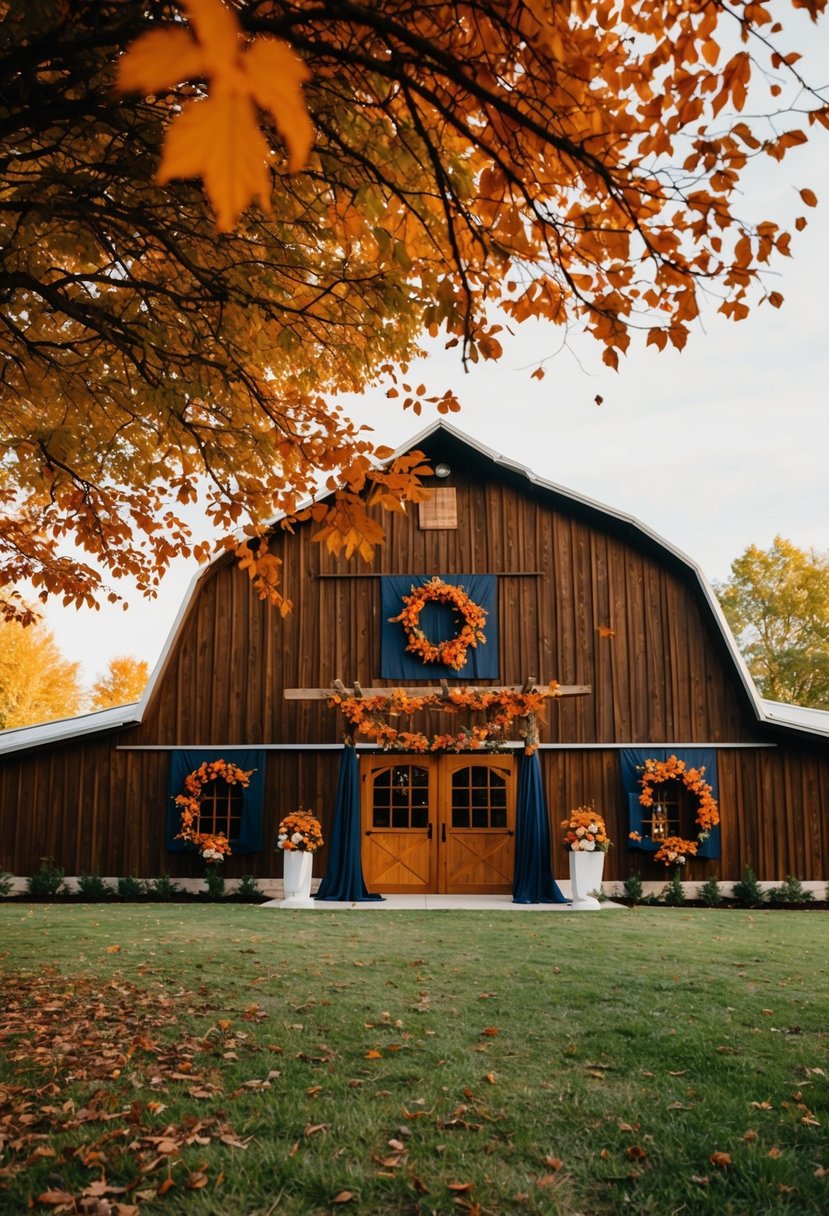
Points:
x=59, y=1035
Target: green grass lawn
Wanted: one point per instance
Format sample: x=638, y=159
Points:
x=244, y=1061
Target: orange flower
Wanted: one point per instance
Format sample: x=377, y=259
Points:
x=674, y=851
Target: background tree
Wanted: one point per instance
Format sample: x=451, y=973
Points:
x=123, y=682
x=580, y=162
x=37, y=684
x=777, y=604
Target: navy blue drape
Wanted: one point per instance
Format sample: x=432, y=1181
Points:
x=533, y=881
x=184, y=762
x=631, y=760
x=439, y=624
x=343, y=879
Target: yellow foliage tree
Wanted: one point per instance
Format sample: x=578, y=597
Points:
x=123, y=682
x=37, y=683
x=582, y=163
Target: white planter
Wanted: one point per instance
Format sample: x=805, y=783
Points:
x=586, y=876
x=297, y=878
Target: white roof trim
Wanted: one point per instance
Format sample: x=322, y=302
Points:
x=21, y=737
x=798, y=717
x=793, y=717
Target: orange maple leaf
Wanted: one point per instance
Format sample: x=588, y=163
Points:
x=217, y=138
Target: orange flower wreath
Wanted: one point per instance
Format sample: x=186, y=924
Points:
x=674, y=850
x=468, y=614
x=213, y=847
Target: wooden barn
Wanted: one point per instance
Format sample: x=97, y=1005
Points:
x=565, y=590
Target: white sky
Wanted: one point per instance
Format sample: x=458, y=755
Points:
x=717, y=447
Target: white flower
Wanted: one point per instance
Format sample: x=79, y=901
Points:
x=297, y=838
x=580, y=831
x=594, y=827
x=588, y=845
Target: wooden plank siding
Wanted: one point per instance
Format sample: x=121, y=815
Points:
x=566, y=576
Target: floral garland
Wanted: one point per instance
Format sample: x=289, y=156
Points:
x=585, y=831
x=468, y=614
x=300, y=832
x=674, y=849
x=502, y=706
x=212, y=846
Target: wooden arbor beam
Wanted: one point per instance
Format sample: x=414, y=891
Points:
x=442, y=689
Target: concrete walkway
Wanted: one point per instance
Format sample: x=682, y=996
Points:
x=437, y=903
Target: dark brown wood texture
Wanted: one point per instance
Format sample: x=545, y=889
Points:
x=581, y=600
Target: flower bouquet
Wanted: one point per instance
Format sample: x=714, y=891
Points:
x=585, y=831
x=300, y=832
x=214, y=848
x=674, y=851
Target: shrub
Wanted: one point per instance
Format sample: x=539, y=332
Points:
x=710, y=893
x=249, y=890
x=674, y=893
x=162, y=888
x=46, y=882
x=215, y=882
x=6, y=882
x=92, y=888
x=130, y=888
x=790, y=891
x=633, y=888
x=747, y=892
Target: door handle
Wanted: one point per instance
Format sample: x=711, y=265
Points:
x=368, y=833
x=429, y=833
x=443, y=833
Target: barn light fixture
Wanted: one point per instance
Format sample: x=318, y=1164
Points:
x=442, y=470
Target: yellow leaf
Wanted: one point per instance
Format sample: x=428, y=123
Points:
x=218, y=140
x=276, y=75
x=113, y=949
x=720, y=1159
x=160, y=59
x=809, y=197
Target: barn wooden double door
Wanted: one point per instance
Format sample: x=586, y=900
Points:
x=442, y=824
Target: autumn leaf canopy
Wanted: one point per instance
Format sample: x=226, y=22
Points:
x=219, y=218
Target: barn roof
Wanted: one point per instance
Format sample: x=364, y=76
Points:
x=794, y=718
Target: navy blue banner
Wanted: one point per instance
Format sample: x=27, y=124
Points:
x=439, y=623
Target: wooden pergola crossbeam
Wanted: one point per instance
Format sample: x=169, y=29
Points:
x=442, y=689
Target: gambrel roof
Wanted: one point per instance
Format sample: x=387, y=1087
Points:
x=790, y=718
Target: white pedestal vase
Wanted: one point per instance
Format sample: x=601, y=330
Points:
x=586, y=876
x=297, y=878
